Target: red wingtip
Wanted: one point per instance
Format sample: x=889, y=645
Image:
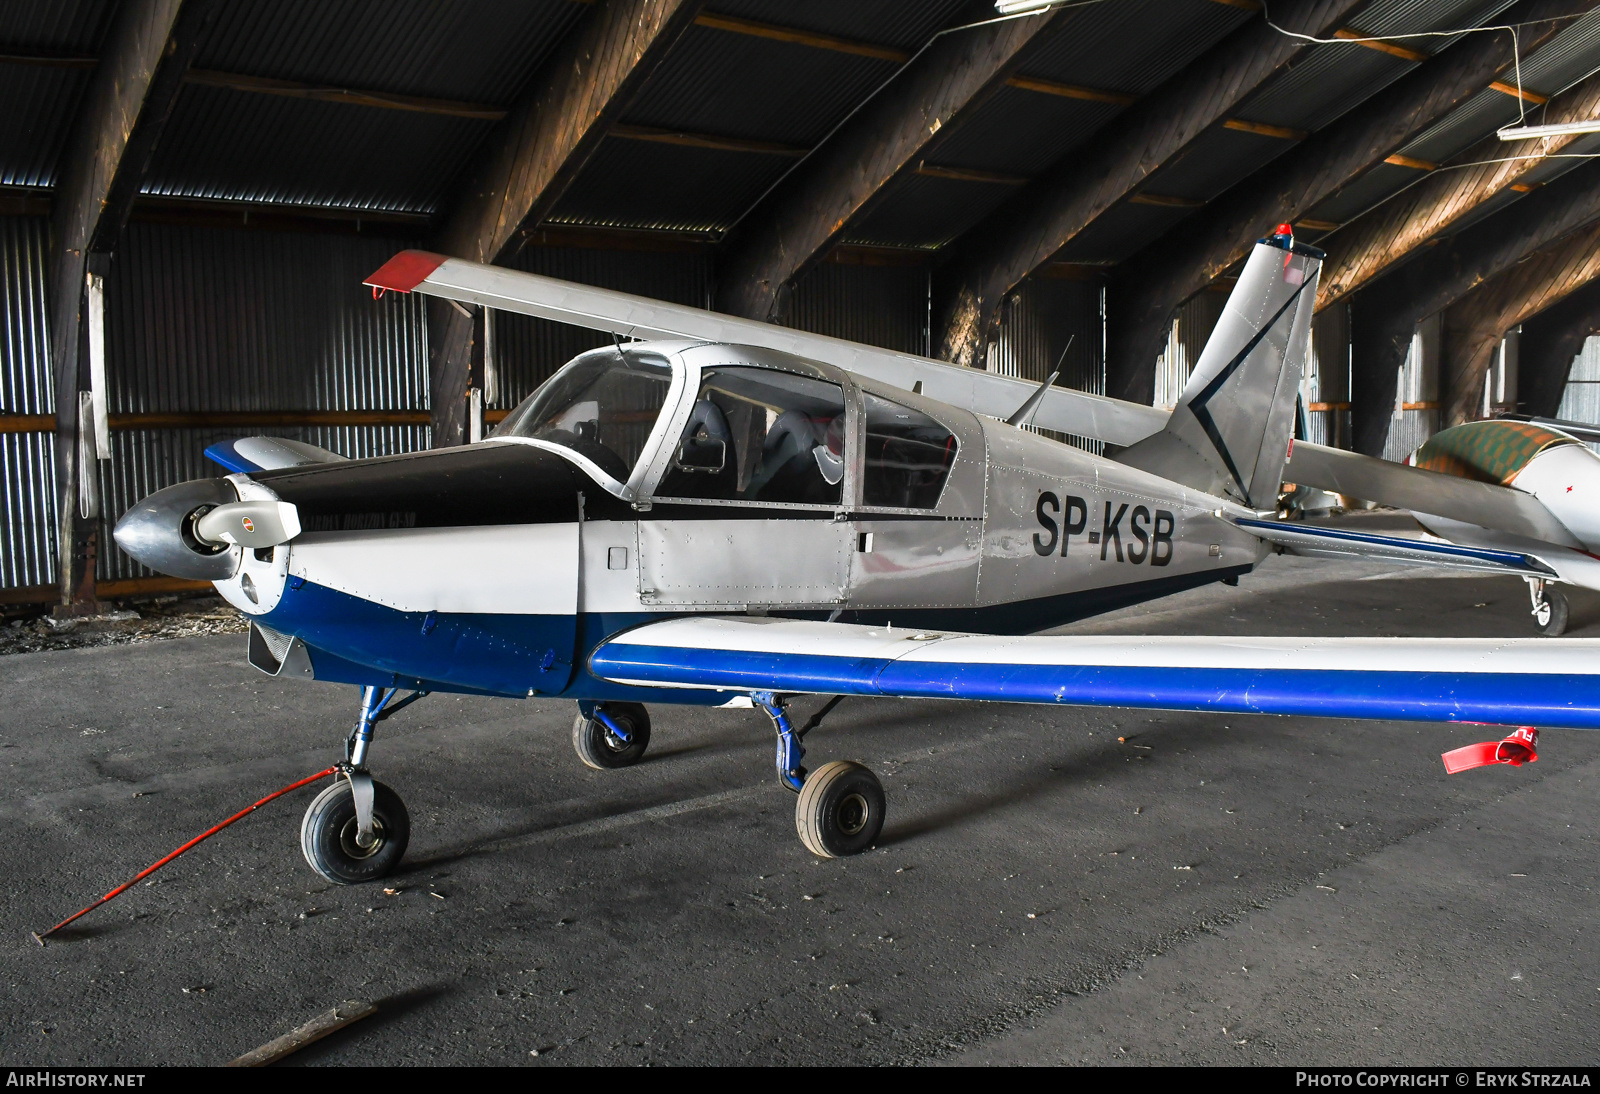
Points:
x=405, y=271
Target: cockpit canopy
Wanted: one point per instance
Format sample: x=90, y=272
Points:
x=742, y=431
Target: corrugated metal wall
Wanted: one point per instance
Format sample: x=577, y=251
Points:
x=528, y=350
x=218, y=320
x=1191, y=328
x=1035, y=328
x=1580, y=401
x=1325, y=387
x=1416, y=400
x=880, y=305
x=27, y=478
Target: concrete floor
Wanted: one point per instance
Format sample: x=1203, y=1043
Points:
x=1218, y=889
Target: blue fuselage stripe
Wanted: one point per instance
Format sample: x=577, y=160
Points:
x=1565, y=701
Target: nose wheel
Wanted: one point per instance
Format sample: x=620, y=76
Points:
x=611, y=735
x=331, y=837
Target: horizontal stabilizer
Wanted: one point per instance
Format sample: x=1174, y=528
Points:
x=1317, y=542
x=268, y=454
x=620, y=313
x=1496, y=681
x=1428, y=492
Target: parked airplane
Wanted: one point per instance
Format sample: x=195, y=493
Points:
x=1528, y=487
x=732, y=512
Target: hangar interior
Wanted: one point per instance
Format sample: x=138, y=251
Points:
x=191, y=192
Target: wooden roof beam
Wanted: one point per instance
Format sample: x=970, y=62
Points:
x=1549, y=342
x=889, y=138
x=533, y=156
x=1388, y=309
x=1474, y=324
x=123, y=113
x=995, y=257
x=1374, y=243
x=1155, y=282
x=753, y=29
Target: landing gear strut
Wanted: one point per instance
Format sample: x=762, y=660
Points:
x=1550, y=607
x=357, y=829
x=840, y=806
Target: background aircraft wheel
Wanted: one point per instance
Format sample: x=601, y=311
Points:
x=328, y=834
x=840, y=810
x=1551, y=617
x=601, y=749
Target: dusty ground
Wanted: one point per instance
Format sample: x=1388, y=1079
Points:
x=1211, y=890
x=143, y=620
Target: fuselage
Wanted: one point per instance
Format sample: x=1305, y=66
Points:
x=701, y=478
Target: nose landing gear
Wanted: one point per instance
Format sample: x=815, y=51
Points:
x=1550, y=607
x=840, y=806
x=357, y=829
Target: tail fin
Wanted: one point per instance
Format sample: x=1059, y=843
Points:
x=1229, y=434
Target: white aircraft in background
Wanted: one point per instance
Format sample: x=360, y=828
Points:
x=733, y=512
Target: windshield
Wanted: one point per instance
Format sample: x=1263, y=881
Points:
x=601, y=407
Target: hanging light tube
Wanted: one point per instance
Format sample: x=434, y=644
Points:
x=1556, y=129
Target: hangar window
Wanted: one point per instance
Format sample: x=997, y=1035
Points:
x=908, y=456
x=601, y=406
x=757, y=434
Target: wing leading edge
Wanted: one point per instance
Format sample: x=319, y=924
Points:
x=1492, y=681
x=625, y=314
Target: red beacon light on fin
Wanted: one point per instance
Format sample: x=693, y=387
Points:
x=1284, y=230
x=1517, y=749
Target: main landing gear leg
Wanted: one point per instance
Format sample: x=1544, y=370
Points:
x=841, y=805
x=611, y=735
x=357, y=829
x=1550, y=607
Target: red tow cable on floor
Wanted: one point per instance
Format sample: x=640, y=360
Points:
x=207, y=834
x=1516, y=749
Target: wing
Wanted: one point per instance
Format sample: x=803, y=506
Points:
x=1429, y=492
x=268, y=454
x=1063, y=409
x=1539, y=682
x=1318, y=542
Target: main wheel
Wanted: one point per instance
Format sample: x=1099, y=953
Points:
x=602, y=749
x=1551, y=618
x=840, y=810
x=328, y=834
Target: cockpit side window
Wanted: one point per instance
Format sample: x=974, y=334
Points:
x=601, y=407
x=908, y=456
x=757, y=434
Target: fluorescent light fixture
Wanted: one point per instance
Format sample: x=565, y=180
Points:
x=1524, y=132
x=1024, y=7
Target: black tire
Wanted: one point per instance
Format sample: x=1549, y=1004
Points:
x=1551, y=619
x=600, y=749
x=328, y=834
x=840, y=810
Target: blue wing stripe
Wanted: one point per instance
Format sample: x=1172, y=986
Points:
x=1556, y=701
x=224, y=453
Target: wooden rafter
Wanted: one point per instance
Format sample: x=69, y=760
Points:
x=1373, y=244
x=1387, y=310
x=1047, y=215
x=806, y=215
x=1549, y=342
x=1474, y=324
x=1154, y=283
x=123, y=113
x=533, y=156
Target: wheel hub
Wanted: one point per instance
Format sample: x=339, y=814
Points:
x=854, y=812
x=350, y=839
